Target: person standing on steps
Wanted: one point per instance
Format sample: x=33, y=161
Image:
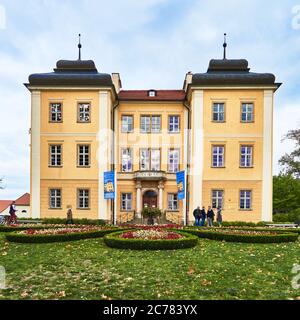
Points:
x=203, y=216
x=210, y=217
x=197, y=216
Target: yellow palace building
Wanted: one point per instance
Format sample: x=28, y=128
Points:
x=218, y=129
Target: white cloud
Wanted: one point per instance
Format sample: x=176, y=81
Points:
x=151, y=43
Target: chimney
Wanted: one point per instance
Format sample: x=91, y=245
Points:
x=187, y=80
x=116, y=81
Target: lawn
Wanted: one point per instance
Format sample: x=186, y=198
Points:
x=87, y=269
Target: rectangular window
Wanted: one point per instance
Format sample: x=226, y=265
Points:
x=172, y=202
x=84, y=112
x=219, y=112
x=55, y=198
x=174, y=124
x=144, y=159
x=55, y=155
x=218, y=156
x=155, y=124
x=83, y=155
x=150, y=124
x=126, y=201
x=126, y=160
x=127, y=124
x=145, y=124
x=217, y=199
x=55, y=112
x=155, y=159
x=150, y=159
x=246, y=156
x=245, y=199
x=173, y=160
x=83, y=198
x=247, y=113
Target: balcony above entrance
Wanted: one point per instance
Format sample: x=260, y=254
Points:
x=150, y=175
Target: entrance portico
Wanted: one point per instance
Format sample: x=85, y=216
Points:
x=149, y=189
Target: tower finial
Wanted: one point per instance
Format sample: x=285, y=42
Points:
x=224, y=46
x=79, y=47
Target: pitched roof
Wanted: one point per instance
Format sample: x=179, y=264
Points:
x=4, y=204
x=161, y=95
x=24, y=200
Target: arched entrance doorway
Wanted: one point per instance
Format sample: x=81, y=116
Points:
x=150, y=199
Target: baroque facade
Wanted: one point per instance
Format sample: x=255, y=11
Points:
x=218, y=128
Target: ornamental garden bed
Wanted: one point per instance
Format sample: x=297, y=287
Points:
x=246, y=236
x=151, y=239
x=58, y=234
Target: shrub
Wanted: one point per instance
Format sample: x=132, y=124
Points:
x=43, y=238
x=275, y=237
x=76, y=221
x=292, y=217
x=113, y=240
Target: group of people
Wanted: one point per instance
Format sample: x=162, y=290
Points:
x=201, y=216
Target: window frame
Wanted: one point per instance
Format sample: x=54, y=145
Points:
x=151, y=116
x=213, y=112
x=217, y=198
x=149, y=150
x=126, y=209
x=252, y=156
x=131, y=158
x=50, y=198
x=127, y=116
x=50, y=145
x=169, y=123
x=169, y=164
x=240, y=199
x=253, y=112
x=212, y=155
x=78, y=155
x=50, y=112
x=172, y=208
x=78, y=111
x=78, y=198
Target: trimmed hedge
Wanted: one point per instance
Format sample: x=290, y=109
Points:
x=14, y=229
x=84, y=221
x=47, y=238
x=189, y=241
x=245, y=238
x=269, y=229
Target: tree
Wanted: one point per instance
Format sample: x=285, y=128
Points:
x=286, y=194
x=291, y=162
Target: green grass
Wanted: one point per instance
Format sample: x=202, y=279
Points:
x=87, y=269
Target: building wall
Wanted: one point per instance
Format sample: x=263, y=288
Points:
x=136, y=140
x=231, y=133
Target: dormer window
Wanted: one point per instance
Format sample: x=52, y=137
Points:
x=152, y=93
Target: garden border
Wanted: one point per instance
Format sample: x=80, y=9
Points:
x=279, y=237
x=189, y=241
x=47, y=238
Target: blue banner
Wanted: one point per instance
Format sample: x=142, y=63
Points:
x=180, y=181
x=109, y=185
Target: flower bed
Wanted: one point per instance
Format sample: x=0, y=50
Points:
x=247, y=236
x=58, y=234
x=158, y=226
x=151, y=239
x=33, y=226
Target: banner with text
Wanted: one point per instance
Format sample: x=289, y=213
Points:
x=109, y=185
x=180, y=180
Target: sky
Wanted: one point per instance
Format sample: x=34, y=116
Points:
x=151, y=43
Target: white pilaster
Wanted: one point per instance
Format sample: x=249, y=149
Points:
x=116, y=160
x=35, y=154
x=267, y=172
x=138, y=199
x=197, y=143
x=185, y=150
x=160, y=195
x=104, y=152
